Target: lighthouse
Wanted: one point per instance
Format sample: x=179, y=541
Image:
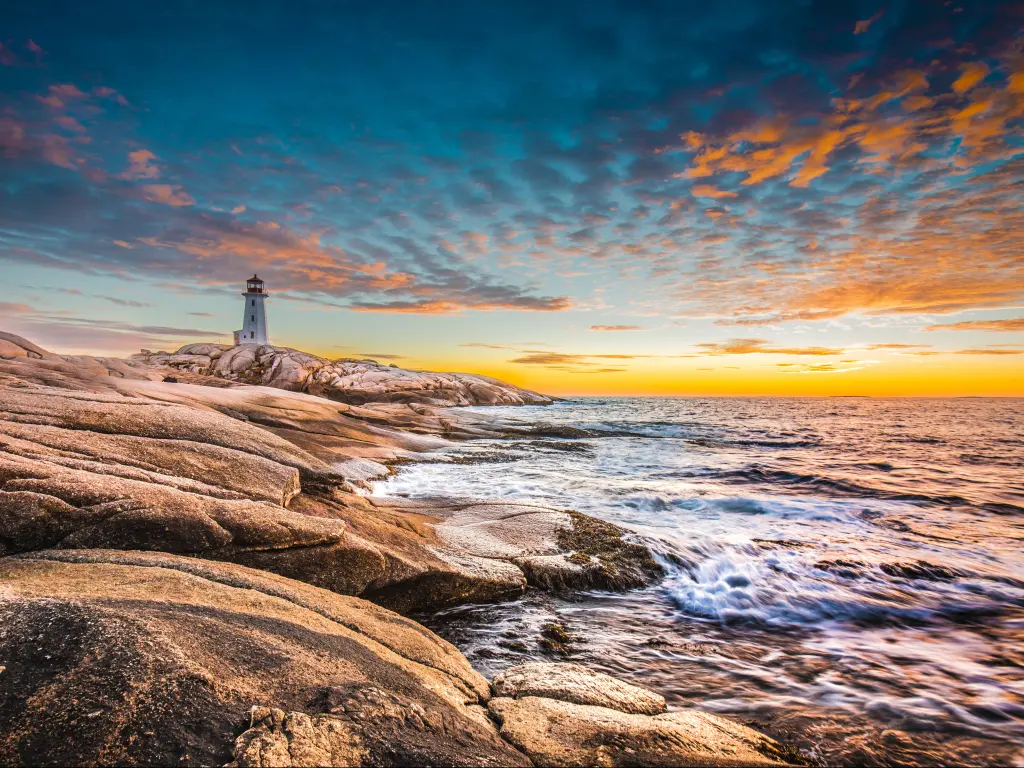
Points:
x=254, y=321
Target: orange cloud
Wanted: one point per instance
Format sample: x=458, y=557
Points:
x=168, y=194
x=760, y=346
x=706, y=190
x=989, y=351
x=945, y=249
x=893, y=346
x=140, y=166
x=972, y=74
x=449, y=307
x=979, y=117
x=616, y=328
x=1007, y=325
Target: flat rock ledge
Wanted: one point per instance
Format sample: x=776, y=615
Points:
x=578, y=685
x=558, y=733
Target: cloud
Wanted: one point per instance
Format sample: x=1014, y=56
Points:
x=617, y=328
x=760, y=346
x=125, y=302
x=478, y=345
x=553, y=359
x=989, y=351
x=116, y=325
x=140, y=166
x=469, y=302
x=823, y=185
x=895, y=346
x=972, y=73
x=572, y=363
x=11, y=54
x=1010, y=324
x=706, y=190
x=69, y=123
x=14, y=308
x=67, y=333
x=168, y=194
x=863, y=26
x=106, y=92
x=59, y=96
x=379, y=356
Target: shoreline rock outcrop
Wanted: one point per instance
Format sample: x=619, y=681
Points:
x=345, y=380
x=269, y=479
x=183, y=569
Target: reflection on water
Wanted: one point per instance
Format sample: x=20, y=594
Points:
x=844, y=573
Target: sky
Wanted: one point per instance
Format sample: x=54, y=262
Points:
x=795, y=197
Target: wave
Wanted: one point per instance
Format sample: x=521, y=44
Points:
x=799, y=481
x=784, y=587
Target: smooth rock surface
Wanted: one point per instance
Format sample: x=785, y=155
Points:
x=578, y=685
x=152, y=659
x=557, y=733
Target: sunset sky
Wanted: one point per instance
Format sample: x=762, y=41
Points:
x=800, y=197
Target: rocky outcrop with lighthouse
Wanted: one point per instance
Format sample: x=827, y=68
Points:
x=344, y=380
x=190, y=575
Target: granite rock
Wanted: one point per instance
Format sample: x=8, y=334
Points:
x=576, y=684
x=558, y=733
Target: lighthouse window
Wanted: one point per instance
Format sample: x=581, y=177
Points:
x=252, y=334
x=252, y=318
x=254, y=302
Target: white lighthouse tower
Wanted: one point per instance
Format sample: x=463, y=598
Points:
x=254, y=321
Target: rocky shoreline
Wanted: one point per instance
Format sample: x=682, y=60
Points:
x=190, y=574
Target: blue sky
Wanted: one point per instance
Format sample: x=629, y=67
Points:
x=578, y=195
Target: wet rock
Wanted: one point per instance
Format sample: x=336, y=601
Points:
x=555, y=638
x=559, y=733
x=553, y=549
x=922, y=569
x=614, y=562
x=166, y=671
x=562, y=446
x=578, y=685
x=848, y=569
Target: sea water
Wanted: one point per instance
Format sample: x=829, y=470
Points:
x=846, y=574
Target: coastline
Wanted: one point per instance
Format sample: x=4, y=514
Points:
x=143, y=472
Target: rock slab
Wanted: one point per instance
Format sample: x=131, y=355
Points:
x=558, y=733
x=578, y=685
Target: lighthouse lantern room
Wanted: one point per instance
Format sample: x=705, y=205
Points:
x=254, y=321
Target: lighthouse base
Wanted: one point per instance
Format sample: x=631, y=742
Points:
x=247, y=337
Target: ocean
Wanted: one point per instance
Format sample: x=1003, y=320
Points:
x=846, y=574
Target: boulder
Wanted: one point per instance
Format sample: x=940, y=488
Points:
x=578, y=685
x=16, y=346
x=558, y=733
x=152, y=659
